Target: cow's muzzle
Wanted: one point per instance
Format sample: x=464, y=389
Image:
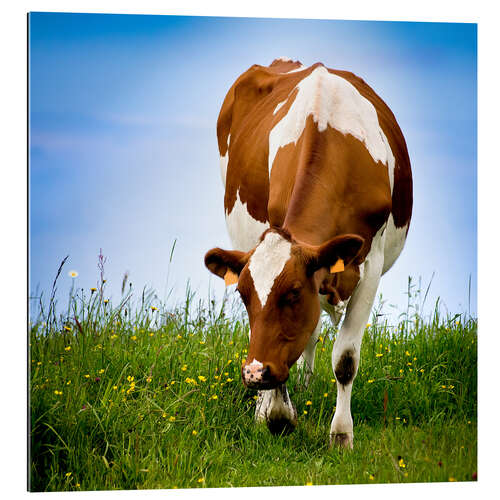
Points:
x=260, y=376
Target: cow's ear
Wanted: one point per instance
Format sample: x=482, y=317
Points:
x=226, y=264
x=335, y=253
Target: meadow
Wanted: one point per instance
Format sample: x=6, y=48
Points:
x=135, y=395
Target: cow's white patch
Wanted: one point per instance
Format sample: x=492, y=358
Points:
x=394, y=242
x=300, y=68
x=244, y=230
x=334, y=102
x=267, y=262
x=276, y=109
x=256, y=363
x=275, y=404
x=224, y=160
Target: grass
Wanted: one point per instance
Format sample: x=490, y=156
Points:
x=134, y=396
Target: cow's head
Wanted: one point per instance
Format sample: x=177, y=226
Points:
x=279, y=281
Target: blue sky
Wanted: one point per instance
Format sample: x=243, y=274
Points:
x=123, y=152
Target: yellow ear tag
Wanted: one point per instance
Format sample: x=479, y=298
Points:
x=338, y=267
x=230, y=278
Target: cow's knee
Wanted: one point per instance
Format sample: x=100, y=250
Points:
x=345, y=367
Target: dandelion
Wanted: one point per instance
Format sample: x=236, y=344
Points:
x=87, y=376
x=332, y=380
x=58, y=393
x=229, y=380
x=164, y=415
x=308, y=403
x=257, y=397
x=402, y=463
x=201, y=378
x=133, y=337
x=77, y=485
x=325, y=395
x=68, y=348
x=73, y=274
x=371, y=381
x=372, y=477
x=153, y=308
x=305, y=412
x=202, y=342
x=309, y=483
x=214, y=396
x=368, y=325
x=201, y=480
x=130, y=378
x=148, y=379
x=171, y=419
x=93, y=289
x=114, y=336
x=39, y=363
x=179, y=336
x=194, y=432
x=67, y=328
x=68, y=474
x=443, y=387
x=421, y=370
x=101, y=371
x=68, y=382
x=106, y=301
x=115, y=388
x=378, y=355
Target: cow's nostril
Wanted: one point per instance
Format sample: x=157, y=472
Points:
x=266, y=373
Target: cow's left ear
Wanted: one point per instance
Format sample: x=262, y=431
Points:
x=226, y=264
x=345, y=247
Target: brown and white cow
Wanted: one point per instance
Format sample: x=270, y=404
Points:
x=318, y=201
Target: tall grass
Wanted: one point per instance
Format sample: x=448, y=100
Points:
x=138, y=395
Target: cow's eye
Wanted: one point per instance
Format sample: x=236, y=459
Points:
x=293, y=295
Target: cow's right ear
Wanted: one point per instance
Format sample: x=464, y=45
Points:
x=226, y=264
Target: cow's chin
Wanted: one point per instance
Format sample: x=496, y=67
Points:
x=263, y=386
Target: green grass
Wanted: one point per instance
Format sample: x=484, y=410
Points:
x=117, y=402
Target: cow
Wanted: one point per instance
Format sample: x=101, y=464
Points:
x=318, y=201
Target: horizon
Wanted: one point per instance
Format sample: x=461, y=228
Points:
x=121, y=105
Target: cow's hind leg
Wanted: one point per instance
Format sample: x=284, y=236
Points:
x=346, y=350
x=305, y=364
x=276, y=409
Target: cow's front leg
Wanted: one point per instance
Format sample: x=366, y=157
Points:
x=305, y=364
x=276, y=409
x=346, y=350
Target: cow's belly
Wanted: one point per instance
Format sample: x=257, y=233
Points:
x=243, y=229
x=394, y=243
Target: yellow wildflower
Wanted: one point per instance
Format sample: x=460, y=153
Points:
x=130, y=378
x=372, y=477
x=201, y=480
x=133, y=337
x=171, y=419
x=378, y=355
x=201, y=378
x=402, y=463
x=371, y=381
x=68, y=348
x=68, y=474
x=325, y=395
x=101, y=371
x=148, y=379
x=67, y=328
x=308, y=403
x=309, y=483
x=194, y=432
x=305, y=412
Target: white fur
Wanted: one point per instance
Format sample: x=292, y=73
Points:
x=224, y=160
x=394, y=243
x=334, y=102
x=243, y=229
x=276, y=109
x=305, y=364
x=256, y=363
x=267, y=262
x=351, y=333
x=274, y=405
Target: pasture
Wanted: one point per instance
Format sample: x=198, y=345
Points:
x=136, y=395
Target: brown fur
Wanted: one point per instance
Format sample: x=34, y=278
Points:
x=325, y=185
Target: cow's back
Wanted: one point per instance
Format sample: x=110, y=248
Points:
x=262, y=146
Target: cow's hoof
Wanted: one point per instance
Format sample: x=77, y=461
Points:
x=281, y=426
x=342, y=440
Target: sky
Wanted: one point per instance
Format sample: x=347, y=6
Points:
x=123, y=153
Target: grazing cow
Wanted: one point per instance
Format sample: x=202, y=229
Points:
x=318, y=201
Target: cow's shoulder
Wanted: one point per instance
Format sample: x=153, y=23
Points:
x=402, y=197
